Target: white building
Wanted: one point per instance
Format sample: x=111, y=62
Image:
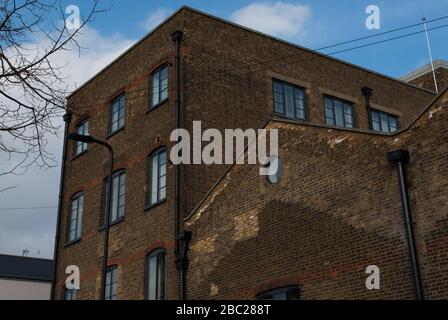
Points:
x=23, y=278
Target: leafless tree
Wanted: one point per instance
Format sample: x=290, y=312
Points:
x=32, y=89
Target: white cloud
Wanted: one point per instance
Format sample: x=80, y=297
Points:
x=34, y=229
x=155, y=18
x=277, y=19
x=98, y=51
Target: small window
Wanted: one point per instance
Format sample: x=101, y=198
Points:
x=111, y=283
x=155, y=275
x=83, y=129
x=383, y=122
x=157, y=176
x=69, y=294
x=286, y=293
x=289, y=100
x=338, y=112
x=118, y=113
x=118, y=197
x=159, y=86
x=75, y=218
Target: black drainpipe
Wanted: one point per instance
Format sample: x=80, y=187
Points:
x=67, y=118
x=182, y=262
x=176, y=37
x=401, y=158
x=367, y=93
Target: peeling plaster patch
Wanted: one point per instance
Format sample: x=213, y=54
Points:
x=213, y=289
x=334, y=142
x=206, y=245
x=215, y=193
x=98, y=286
x=432, y=112
x=116, y=243
x=246, y=225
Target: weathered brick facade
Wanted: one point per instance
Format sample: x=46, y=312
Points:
x=226, y=82
x=328, y=218
x=427, y=80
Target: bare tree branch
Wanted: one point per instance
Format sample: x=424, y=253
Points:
x=32, y=88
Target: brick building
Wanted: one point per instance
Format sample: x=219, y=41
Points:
x=423, y=77
x=248, y=236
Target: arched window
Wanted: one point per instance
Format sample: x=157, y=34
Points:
x=83, y=129
x=118, y=197
x=111, y=289
x=117, y=113
x=159, y=86
x=74, y=229
x=157, y=177
x=155, y=275
x=69, y=294
x=284, y=293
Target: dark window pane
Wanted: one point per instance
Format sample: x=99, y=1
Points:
x=300, y=103
x=118, y=197
x=339, y=113
x=376, y=126
x=384, y=122
x=161, y=277
x=287, y=293
x=348, y=116
x=152, y=269
x=70, y=294
x=278, y=97
x=159, y=86
x=111, y=288
x=75, y=222
x=155, y=275
x=299, y=94
x=289, y=100
x=82, y=129
x=329, y=112
x=118, y=113
x=393, y=122
x=157, y=176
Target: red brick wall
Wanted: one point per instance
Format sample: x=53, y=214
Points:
x=209, y=49
x=335, y=211
x=427, y=81
x=228, y=84
x=144, y=131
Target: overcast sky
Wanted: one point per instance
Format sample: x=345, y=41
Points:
x=312, y=24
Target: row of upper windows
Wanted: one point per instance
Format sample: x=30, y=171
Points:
x=157, y=171
x=159, y=94
x=290, y=101
x=155, y=279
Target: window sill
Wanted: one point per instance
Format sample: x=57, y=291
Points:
x=291, y=118
x=151, y=206
x=161, y=103
x=78, y=155
x=103, y=227
x=72, y=242
x=114, y=133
